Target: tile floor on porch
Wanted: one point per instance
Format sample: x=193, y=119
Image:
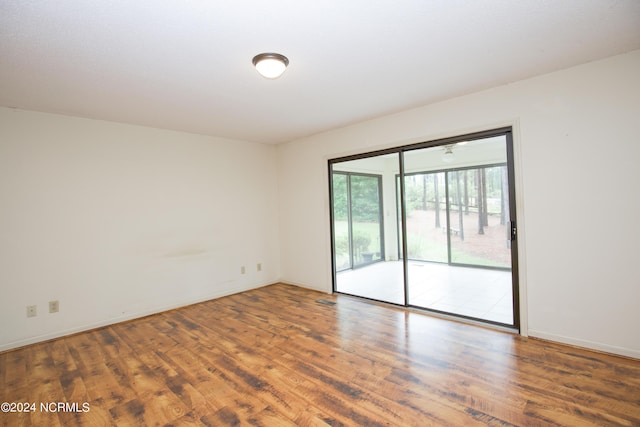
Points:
x=476, y=292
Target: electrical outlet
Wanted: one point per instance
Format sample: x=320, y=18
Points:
x=32, y=310
x=242, y=270
x=54, y=306
x=259, y=267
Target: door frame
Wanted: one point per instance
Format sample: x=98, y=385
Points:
x=513, y=211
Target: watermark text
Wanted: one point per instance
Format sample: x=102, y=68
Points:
x=54, y=407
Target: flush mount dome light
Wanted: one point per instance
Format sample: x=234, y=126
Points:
x=270, y=65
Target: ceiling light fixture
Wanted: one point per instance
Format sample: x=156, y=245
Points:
x=448, y=156
x=270, y=65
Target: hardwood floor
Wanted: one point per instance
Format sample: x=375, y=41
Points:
x=278, y=356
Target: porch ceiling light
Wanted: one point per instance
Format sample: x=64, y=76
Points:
x=448, y=156
x=270, y=65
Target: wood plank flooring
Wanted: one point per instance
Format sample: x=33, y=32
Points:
x=277, y=356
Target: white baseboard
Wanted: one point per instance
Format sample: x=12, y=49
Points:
x=589, y=345
x=130, y=316
x=306, y=286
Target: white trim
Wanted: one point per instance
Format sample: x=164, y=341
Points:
x=589, y=345
x=307, y=286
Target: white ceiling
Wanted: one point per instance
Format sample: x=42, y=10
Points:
x=186, y=64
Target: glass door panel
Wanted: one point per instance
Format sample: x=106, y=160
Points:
x=462, y=266
x=364, y=234
x=342, y=252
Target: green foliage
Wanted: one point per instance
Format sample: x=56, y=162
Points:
x=342, y=251
x=420, y=192
x=361, y=241
x=340, y=208
x=342, y=244
x=420, y=189
x=365, y=197
x=365, y=201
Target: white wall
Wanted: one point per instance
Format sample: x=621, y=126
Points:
x=577, y=143
x=118, y=221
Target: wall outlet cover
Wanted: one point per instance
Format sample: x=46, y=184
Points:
x=32, y=310
x=54, y=306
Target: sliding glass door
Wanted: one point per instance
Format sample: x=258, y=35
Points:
x=449, y=207
x=472, y=277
